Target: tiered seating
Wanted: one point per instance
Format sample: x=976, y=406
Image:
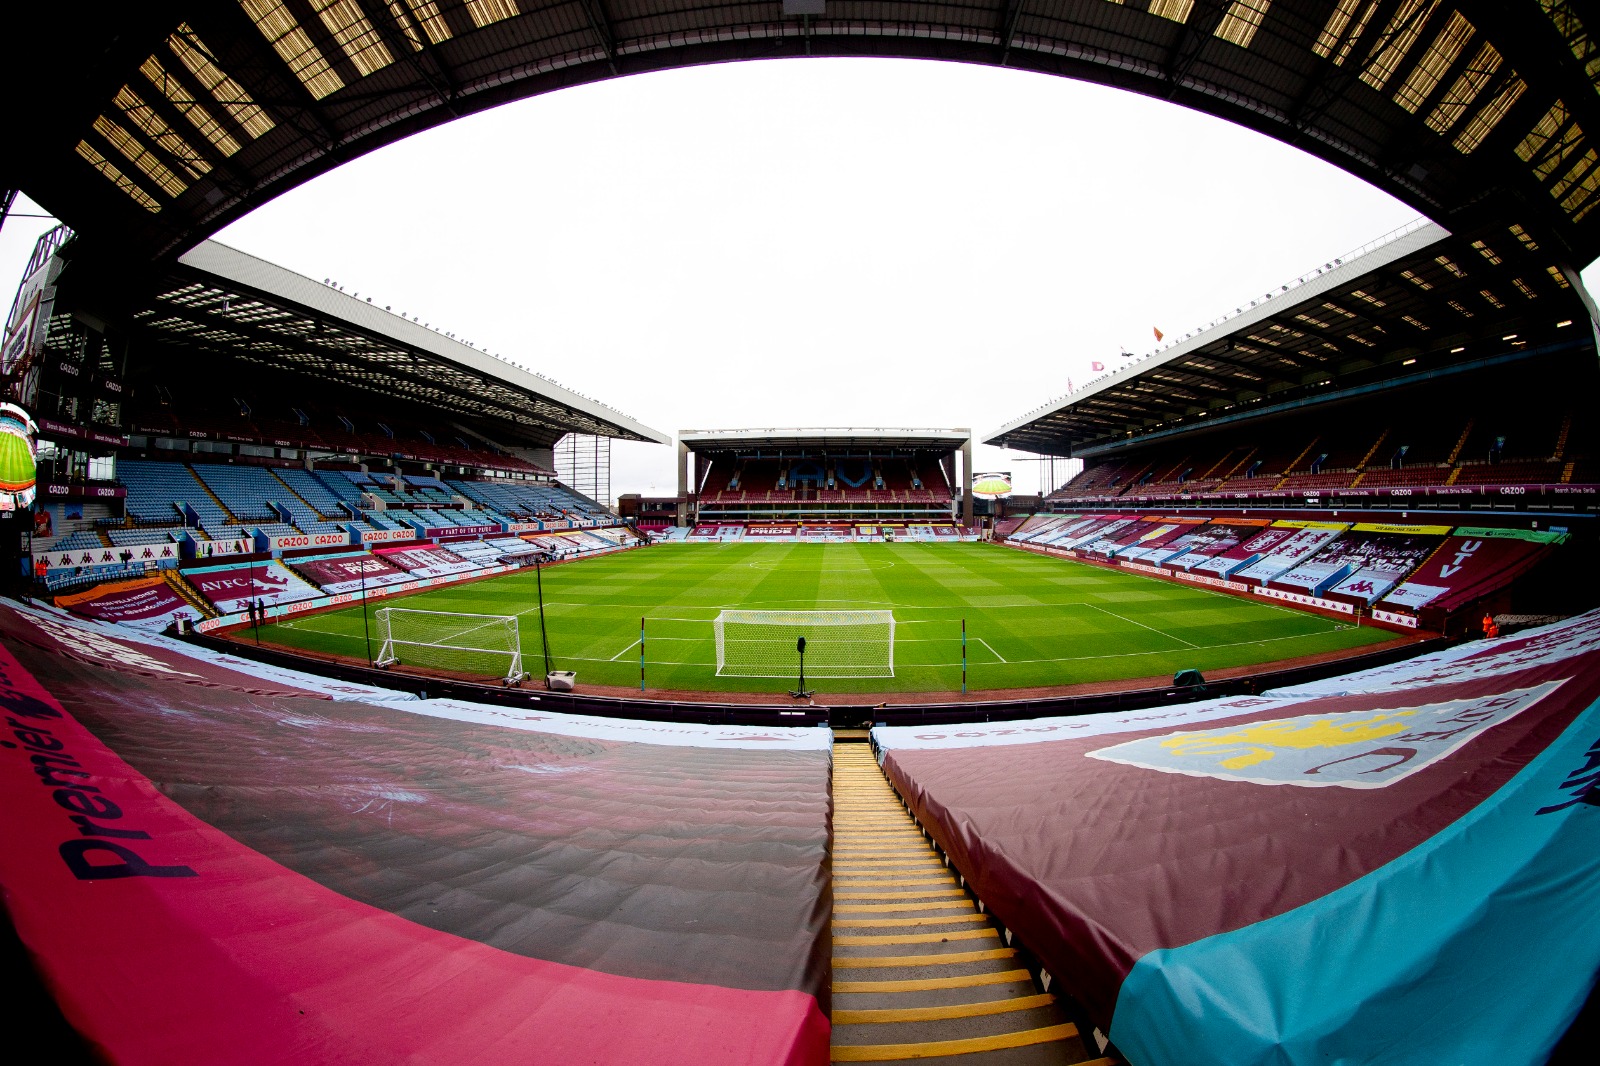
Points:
x=311, y=489
x=1406, y=475
x=246, y=491
x=273, y=422
x=123, y=537
x=83, y=538
x=1104, y=479
x=154, y=489
x=527, y=500
x=1339, y=479
x=1531, y=472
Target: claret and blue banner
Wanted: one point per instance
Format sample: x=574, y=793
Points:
x=1399, y=866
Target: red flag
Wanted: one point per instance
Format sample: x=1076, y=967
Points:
x=1097, y=366
x=1158, y=334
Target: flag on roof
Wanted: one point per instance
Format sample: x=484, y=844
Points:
x=1097, y=366
x=1158, y=334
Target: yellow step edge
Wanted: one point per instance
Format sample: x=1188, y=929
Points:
x=846, y=962
x=933, y=866
x=935, y=1014
x=929, y=984
x=878, y=851
x=903, y=894
x=856, y=881
x=916, y=938
x=888, y=923
x=931, y=905
x=966, y=1046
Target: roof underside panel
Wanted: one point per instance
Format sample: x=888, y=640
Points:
x=224, y=303
x=1420, y=303
x=182, y=116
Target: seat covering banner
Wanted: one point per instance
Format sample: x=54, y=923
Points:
x=146, y=602
x=1399, y=861
x=272, y=878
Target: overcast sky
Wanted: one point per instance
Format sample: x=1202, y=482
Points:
x=816, y=242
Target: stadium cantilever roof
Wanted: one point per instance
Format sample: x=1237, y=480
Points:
x=219, y=300
x=702, y=440
x=1420, y=301
x=149, y=126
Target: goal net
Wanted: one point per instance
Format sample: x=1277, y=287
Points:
x=485, y=645
x=838, y=643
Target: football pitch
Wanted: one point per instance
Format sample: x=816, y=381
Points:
x=1030, y=620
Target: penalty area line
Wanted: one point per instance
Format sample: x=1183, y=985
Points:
x=996, y=654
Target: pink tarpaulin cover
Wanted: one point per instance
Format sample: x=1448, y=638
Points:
x=210, y=875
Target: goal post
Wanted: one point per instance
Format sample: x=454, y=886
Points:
x=478, y=644
x=838, y=643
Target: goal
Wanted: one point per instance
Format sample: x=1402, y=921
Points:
x=838, y=643
x=479, y=644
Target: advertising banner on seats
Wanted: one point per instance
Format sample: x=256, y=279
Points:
x=1472, y=563
x=350, y=573
x=231, y=588
x=1210, y=540
x=1155, y=541
x=1289, y=553
x=1256, y=542
x=149, y=554
x=1379, y=555
x=146, y=603
x=426, y=562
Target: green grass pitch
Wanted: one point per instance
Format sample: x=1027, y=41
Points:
x=1031, y=620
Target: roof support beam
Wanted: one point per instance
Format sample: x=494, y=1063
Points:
x=600, y=22
x=1201, y=24
x=1010, y=12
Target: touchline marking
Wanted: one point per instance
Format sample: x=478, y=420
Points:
x=1141, y=625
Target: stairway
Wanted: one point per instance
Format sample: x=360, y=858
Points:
x=232, y=518
x=919, y=971
x=1365, y=459
x=1561, y=438
x=1461, y=442
x=291, y=491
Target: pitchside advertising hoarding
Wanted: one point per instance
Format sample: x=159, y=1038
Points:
x=991, y=486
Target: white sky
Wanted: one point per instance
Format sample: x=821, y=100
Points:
x=816, y=242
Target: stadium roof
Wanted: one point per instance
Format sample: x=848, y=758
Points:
x=1415, y=302
x=148, y=126
x=219, y=300
x=706, y=440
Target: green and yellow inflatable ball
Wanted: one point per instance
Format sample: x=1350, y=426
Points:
x=18, y=471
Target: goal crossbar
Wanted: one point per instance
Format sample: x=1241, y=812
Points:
x=838, y=643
